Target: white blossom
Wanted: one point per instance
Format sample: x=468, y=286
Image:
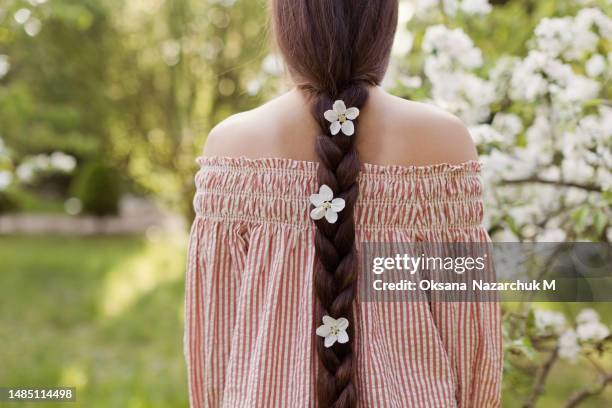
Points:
x=505, y=235
x=484, y=134
x=575, y=169
x=588, y=18
x=551, y=235
x=333, y=330
x=595, y=331
x=254, y=86
x=501, y=74
x=554, y=35
x=450, y=58
x=272, y=64
x=568, y=346
x=508, y=124
x=411, y=81
x=539, y=149
x=403, y=42
x=32, y=27
x=62, y=162
x=326, y=205
x=539, y=74
x=549, y=322
x=5, y=66
x=5, y=179
x=528, y=82
x=450, y=7
x=586, y=316
x=523, y=214
x=476, y=7
x=40, y=163
x=500, y=165
x=25, y=172
x=604, y=178
x=451, y=48
x=588, y=328
x=572, y=37
x=424, y=7
x=462, y=94
x=577, y=88
x=341, y=118
x=22, y=15
x=596, y=65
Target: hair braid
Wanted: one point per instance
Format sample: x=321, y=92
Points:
x=335, y=50
x=336, y=273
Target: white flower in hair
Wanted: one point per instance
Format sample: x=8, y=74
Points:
x=334, y=330
x=326, y=205
x=341, y=118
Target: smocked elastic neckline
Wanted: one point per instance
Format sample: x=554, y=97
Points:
x=276, y=190
x=276, y=163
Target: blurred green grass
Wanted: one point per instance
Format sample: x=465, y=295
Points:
x=103, y=314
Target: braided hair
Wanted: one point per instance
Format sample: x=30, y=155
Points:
x=336, y=50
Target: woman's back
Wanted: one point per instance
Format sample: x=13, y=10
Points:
x=249, y=307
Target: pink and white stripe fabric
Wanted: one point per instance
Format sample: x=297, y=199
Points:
x=249, y=327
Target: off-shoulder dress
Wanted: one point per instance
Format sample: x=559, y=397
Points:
x=249, y=302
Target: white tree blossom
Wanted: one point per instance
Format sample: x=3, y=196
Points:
x=5, y=179
x=568, y=346
x=476, y=7
x=596, y=65
x=450, y=59
x=5, y=66
x=589, y=328
x=508, y=124
x=453, y=7
x=32, y=166
x=549, y=322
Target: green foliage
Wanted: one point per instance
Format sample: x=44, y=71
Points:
x=54, y=96
x=28, y=201
x=185, y=67
x=98, y=188
x=7, y=202
x=140, y=82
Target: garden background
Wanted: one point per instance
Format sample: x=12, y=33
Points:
x=105, y=104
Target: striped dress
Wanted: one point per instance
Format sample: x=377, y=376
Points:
x=249, y=327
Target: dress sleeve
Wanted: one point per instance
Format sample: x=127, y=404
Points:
x=471, y=333
x=217, y=253
x=485, y=389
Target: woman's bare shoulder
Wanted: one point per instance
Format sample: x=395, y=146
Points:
x=269, y=130
x=440, y=134
x=235, y=135
x=417, y=133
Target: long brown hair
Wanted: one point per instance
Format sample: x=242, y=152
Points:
x=336, y=49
